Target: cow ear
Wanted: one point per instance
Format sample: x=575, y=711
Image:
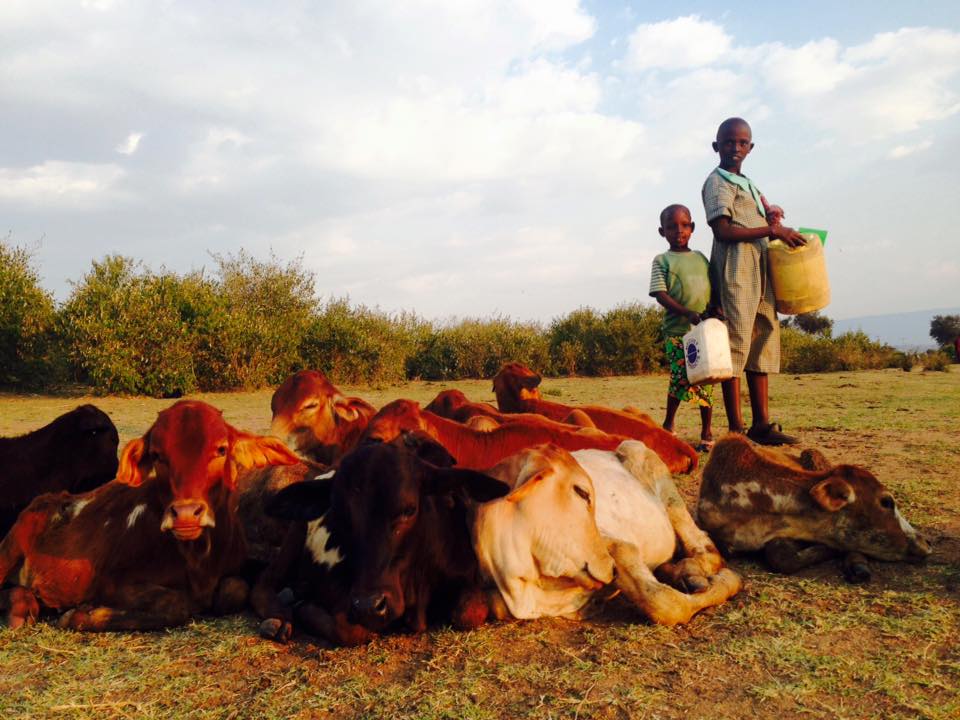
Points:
x=256, y=451
x=832, y=493
x=530, y=381
x=345, y=409
x=303, y=501
x=132, y=463
x=426, y=448
x=480, y=487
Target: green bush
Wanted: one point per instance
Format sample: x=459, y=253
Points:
x=475, y=348
x=936, y=361
x=803, y=353
x=125, y=333
x=623, y=341
x=28, y=350
x=360, y=345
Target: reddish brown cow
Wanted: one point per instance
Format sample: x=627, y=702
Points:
x=150, y=549
x=515, y=386
x=454, y=405
x=478, y=449
x=316, y=419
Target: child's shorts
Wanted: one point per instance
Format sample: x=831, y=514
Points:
x=679, y=387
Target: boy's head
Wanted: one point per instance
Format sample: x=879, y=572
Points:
x=734, y=142
x=676, y=226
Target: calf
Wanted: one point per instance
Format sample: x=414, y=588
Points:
x=315, y=418
x=154, y=547
x=515, y=386
x=454, y=405
x=478, y=449
x=799, y=510
x=540, y=543
x=379, y=543
x=75, y=453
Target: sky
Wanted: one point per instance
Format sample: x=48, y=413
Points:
x=477, y=158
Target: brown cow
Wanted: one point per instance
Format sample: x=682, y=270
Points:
x=799, y=510
x=150, y=549
x=515, y=386
x=315, y=418
x=479, y=449
x=454, y=405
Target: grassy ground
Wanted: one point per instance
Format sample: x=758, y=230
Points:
x=804, y=646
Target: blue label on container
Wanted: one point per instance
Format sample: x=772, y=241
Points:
x=693, y=354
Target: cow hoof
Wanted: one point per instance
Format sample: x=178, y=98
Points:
x=24, y=608
x=695, y=583
x=66, y=620
x=276, y=629
x=857, y=573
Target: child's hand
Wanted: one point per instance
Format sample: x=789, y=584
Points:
x=788, y=235
x=775, y=215
x=693, y=317
x=714, y=311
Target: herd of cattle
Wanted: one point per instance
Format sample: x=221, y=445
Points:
x=350, y=521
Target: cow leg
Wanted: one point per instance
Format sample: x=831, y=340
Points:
x=20, y=605
x=661, y=603
x=335, y=628
x=231, y=596
x=785, y=555
x=277, y=616
x=137, y=608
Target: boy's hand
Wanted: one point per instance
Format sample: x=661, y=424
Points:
x=788, y=235
x=693, y=317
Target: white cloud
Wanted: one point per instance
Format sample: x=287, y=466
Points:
x=130, y=145
x=59, y=183
x=902, y=151
x=686, y=42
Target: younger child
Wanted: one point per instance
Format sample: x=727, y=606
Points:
x=680, y=281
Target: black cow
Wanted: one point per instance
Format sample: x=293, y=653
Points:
x=75, y=453
x=381, y=543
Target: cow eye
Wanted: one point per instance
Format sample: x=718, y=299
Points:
x=582, y=493
x=887, y=503
x=310, y=405
x=222, y=450
x=408, y=512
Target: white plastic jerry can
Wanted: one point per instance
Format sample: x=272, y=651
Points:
x=706, y=352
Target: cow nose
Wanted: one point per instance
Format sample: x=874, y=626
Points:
x=918, y=550
x=371, y=606
x=193, y=513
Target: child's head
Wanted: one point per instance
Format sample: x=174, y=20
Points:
x=676, y=226
x=734, y=142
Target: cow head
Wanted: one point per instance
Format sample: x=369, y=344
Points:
x=555, y=497
x=93, y=440
x=447, y=402
x=395, y=419
x=311, y=414
x=194, y=456
x=397, y=517
x=863, y=516
x=514, y=383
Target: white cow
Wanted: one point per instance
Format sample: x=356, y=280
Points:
x=541, y=548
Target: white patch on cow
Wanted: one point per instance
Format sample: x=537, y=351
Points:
x=904, y=525
x=316, y=543
x=106, y=522
x=784, y=503
x=326, y=475
x=135, y=513
x=738, y=494
x=77, y=507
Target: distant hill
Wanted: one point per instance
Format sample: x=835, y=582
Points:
x=905, y=331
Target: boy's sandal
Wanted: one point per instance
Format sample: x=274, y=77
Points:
x=705, y=446
x=772, y=434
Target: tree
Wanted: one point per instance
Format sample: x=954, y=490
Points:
x=945, y=328
x=814, y=324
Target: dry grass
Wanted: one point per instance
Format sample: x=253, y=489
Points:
x=804, y=646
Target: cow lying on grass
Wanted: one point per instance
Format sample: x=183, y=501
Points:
x=75, y=453
x=316, y=419
x=150, y=549
x=382, y=543
x=515, y=386
x=800, y=510
x=479, y=449
x=574, y=517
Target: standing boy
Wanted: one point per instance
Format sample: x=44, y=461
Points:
x=738, y=214
x=680, y=281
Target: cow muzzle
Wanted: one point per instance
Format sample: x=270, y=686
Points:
x=372, y=610
x=918, y=550
x=186, y=519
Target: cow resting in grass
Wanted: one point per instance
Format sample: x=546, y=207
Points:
x=75, y=453
x=315, y=418
x=479, y=449
x=381, y=543
x=515, y=386
x=801, y=510
x=150, y=549
x=573, y=517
